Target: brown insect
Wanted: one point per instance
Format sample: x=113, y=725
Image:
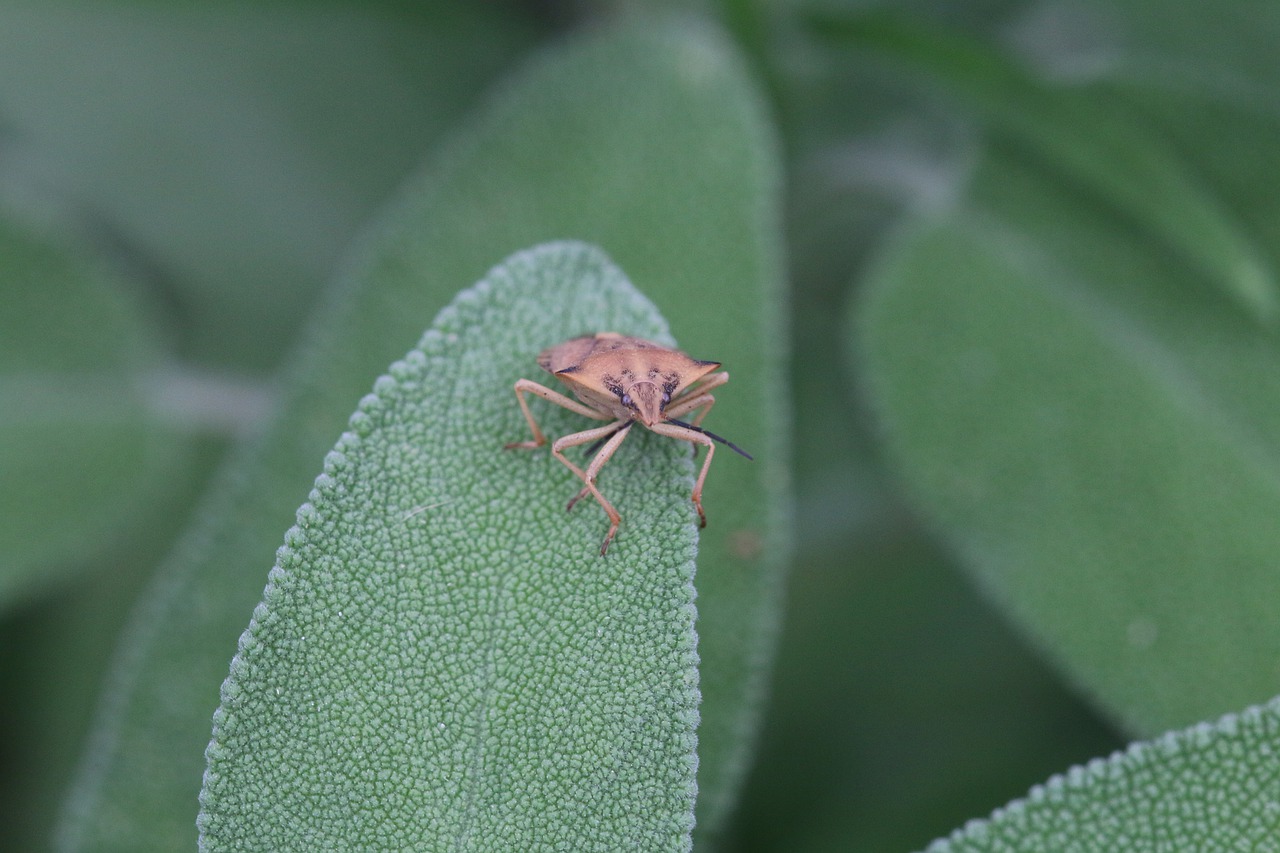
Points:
x=624, y=380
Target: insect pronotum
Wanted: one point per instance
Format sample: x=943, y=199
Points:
x=624, y=380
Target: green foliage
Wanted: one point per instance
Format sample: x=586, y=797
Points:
x=1096, y=143
x=1151, y=797
x=585, y=115
x=272, y=131
x=1096, y=447
x=1028, y=345
x=83, y=452
x=442, y=658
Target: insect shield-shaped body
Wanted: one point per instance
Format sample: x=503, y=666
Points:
x=624, y=380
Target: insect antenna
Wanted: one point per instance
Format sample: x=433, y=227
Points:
x=709, y=434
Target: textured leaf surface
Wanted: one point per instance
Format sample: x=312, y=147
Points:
x=644, y=140
x=80, y=451
x=442, y=658
x=1211, y=787
x=1098, y=433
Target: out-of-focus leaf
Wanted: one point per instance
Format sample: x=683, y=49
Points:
x=1211, y=787
x=1220, y=52
x=442, y=658
x=234, y=148
x=81, y=451
x=1098, y=434
x=55, y=648
x=643, y=139
x=885, y=630
x=1095, y=141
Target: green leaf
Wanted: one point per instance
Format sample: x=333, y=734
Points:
x=643, y=139
x=1210, y=787
x=442, y=657
x=1097, y=434
x=1095, y=140
x=82, y=452
x=238, y=146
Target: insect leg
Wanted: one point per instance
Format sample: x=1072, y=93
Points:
x=593, y=470
x=696, y=396
x=588, y=477
x=524, y=386
x=693, y=437
x=599, y=442
x=688, y=404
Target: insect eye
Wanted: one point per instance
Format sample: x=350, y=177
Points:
x=626, y=399
x=666, y=398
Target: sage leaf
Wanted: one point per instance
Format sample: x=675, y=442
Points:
x=1209, y=787
x=1093, y=140
x=1096, y=433
x=341, y=99
x=600, y=139
x=442, y=657
x=83, y=451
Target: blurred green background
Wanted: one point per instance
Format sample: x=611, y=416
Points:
x=180, y=182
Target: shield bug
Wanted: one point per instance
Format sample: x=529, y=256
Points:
x=624, y=381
